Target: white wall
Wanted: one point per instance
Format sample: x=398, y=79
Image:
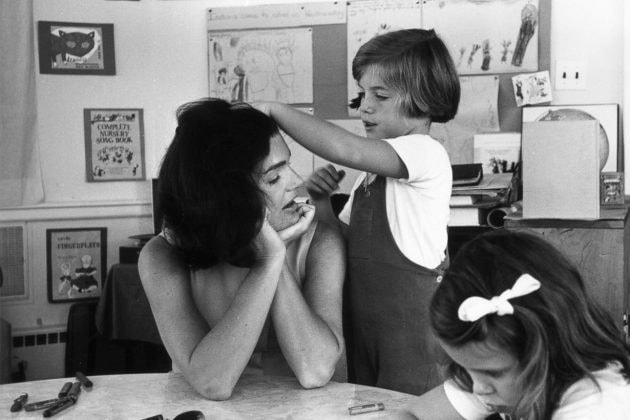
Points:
x=35, y=311
x=592, y=32
x=161, y=62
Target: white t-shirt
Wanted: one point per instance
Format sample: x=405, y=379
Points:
x=417, y=207
x=581, y=401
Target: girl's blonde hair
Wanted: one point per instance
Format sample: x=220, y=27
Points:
x=416, y=64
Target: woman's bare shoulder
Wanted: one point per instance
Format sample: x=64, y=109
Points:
x=158, y=259
x=154, y=250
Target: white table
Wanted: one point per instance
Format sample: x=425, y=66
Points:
x=137, y=396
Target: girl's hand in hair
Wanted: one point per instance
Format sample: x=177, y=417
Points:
x=306, y=213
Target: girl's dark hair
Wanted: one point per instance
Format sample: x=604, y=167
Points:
x=417, y=64
x=207, y=186
x=558, y=333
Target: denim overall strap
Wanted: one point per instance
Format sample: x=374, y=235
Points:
x=390, y=340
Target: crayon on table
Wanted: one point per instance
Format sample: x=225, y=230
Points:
x=75, y=390
x=83, y=379
x=366, y=408
x=62, y=405
x=18, y=403
x=40, y=405
x=64, y=390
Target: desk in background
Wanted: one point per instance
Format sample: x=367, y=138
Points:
x=123, y=316
x=255, y=397
x=600, y=248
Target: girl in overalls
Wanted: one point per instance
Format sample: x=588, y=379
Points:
x=396, y=217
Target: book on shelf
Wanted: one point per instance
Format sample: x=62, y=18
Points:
x=464, y=200
x=473, y=215
x=471, y=205
x=465, y=216
x=467, y=174
x=490, y=184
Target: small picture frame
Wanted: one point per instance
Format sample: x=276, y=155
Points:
x=611, y=189
x=76, y=260
x=114, y=144
x=76, y=48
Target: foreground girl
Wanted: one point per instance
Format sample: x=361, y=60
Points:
x=525, y=338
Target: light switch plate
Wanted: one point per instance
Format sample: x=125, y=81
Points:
x=570, y=75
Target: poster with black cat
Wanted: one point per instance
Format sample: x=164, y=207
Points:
x=114, y=144
x=76, y=48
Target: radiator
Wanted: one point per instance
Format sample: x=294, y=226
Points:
x=43, y=350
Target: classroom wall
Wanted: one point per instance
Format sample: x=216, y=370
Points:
x=161, y=62
x=591, y=32
x=34, y=315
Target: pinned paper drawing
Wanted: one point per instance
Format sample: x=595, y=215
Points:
x=490, y=36
x=530, y=89
x=247, y=66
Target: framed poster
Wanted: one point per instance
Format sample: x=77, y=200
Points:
x=76, y=261
x=76, y=48
x=114, y=144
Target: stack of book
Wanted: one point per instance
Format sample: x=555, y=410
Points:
x=471, y=204
x=467, y=174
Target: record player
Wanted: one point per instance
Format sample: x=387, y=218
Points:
x=130, y=254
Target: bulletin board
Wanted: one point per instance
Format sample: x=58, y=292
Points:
x=330, y=72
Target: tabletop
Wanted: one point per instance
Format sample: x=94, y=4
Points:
x=138, y=396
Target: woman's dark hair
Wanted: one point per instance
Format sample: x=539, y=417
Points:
x=417, y=64
x=558, y=333
x=208, y=182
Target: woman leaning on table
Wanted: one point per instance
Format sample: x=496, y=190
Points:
x=241, y=277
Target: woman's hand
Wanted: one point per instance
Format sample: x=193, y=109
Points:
x=306, y=214
x=268, y=244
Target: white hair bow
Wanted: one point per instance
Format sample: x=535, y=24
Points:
x=476, y=307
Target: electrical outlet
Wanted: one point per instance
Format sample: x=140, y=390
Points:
x=570, y=75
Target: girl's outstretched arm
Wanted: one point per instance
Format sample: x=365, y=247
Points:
x=334, y=143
